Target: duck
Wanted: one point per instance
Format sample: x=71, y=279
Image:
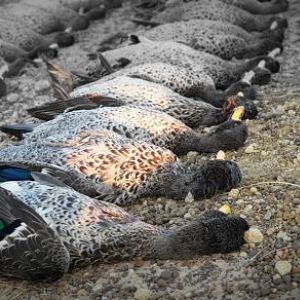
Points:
x=138, y=92
x=259, y=7
x=69, y=17
x=16, y=34
x=29, y=248
x=179, y=79
x=223, y=72
x=149, y=126
x=64, y=230
x=129, y=169
x=252, y=6
x=217, y=10
x=208, y=36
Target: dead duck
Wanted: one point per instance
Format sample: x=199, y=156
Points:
x=139, y=124
x=159, y=75
x=94, y=230
x=129, y=168
x=217, y=10
x=134, y=91
x=260, y=7
x=223, y=72
x=37, y=20
x=182, y=80
x=68, y=17
x=27, y=240
x=205, y=36
x=26, y=39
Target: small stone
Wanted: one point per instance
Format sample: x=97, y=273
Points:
x=162, y=283
x=98, y=287
x=12, y=98
x=166, y=275
x=234, y=194
x=263, y=153
x=268, y=215
x=270, y=231
x=42, y=85
x=253, y=235
x=283, y=267
x=240, y=202
x=243, y=254
x=291, y=112
x=142, y=294
x=250, y=149
x=192, y=154
x=189, y=198
x=296, y=201
x=248, y=208
x=253, y=190
x=296, y=245
x=187, y=216
x=283, y=235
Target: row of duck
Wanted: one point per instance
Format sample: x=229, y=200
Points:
x=116, y=139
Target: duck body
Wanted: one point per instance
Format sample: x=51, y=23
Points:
x=93, y=230
x=142, y=93
x=26, y=39
x=29, y=249
x=32, y=18
x=121, y=170
x=139, y=124
x=223, y=72
x=67, y=16
x=181, y=80
x=213, y=37
x=257, y=7
x=215, y=10
x=10, y=52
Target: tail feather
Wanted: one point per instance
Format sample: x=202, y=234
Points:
x=50, y=110
x=61, y=80
x=17, y=130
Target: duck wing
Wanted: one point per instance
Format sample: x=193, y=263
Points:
x=50, y=110
x=29, y=249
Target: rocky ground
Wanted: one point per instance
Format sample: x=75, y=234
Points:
x=268, y=198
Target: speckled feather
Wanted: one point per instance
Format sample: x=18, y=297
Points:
x=181, y=80
x=131, y=169
x=214, y=37
x=93, y=230
x=221, y=71
x=214, y=10
x=139, y=124
x=31, y=17
x=16, y=34
x=135, y=91
x=30, y=249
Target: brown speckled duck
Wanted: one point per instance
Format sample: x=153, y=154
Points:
x=60, y=229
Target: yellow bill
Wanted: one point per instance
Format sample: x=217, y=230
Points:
x=238, y=113
x=225, y=209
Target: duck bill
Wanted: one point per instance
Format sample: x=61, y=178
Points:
x=238, y=113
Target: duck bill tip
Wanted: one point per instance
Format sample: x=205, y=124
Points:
x=238, y=113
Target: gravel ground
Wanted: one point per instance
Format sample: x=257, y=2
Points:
x=268, y=198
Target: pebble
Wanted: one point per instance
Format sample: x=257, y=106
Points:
x=253, y=190
x=187, y=216
x=12, y=98
x=166, y=275
x=98, y=287
x=234, y=194
x=250, y=149
x=283, y=235
x=189, y=198
x=248, y=208
x=243, y=254
x=283, y=267
x=240, y=202
x=253, y=235
x=42, y=85
x=142, y=294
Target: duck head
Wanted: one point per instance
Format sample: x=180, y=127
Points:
x=212, y=177
x=80, y=23
x=64, y=39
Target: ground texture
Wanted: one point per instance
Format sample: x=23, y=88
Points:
x=269, y=196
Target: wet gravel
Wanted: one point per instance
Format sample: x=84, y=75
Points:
x=269, y=196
